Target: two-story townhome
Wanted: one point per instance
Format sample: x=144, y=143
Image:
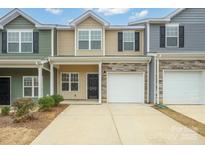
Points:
x=25, y=45
x=177, y=46
x=98, y=62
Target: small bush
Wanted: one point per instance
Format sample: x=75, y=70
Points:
x=5, y=111
x=57, y=99
x=23, y=109
x=46, y=103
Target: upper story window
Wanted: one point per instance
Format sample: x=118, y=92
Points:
x=172, y=35
x=90, y=39
x=128, y=40
x=20, y=41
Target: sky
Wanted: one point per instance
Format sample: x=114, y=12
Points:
x=116, y=16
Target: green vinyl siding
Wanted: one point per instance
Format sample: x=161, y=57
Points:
x=17, y=80
x=20, y=23
x=44, y=39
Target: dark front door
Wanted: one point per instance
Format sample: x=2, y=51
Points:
x=4, y=91
x=92, y=86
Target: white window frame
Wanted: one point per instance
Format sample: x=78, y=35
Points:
x=19, y=31
x=172, y=25
x=128, y=41
x=69, y=82
x=89, y=38
x=32, y=86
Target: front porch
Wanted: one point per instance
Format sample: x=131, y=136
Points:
x=77, y=82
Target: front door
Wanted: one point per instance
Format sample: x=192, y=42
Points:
x=4, y=91
x=92, y=84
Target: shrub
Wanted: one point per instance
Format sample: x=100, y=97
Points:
x=57, y=99
x=23, y=109
x=5, y=111
x=46, y=103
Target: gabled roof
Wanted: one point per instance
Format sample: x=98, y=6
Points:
x=158, y=20
x=17, y=12
x=87, y=14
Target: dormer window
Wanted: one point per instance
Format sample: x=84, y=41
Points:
x=172, y=35
x=19, y=41
x=89, y=39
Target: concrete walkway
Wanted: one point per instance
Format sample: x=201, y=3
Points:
x=196, y=112
x=116, y=124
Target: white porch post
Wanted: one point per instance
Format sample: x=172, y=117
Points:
x=40, y=82
x=100, y=78
x=51, y=79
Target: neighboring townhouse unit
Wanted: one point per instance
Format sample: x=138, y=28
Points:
x=25, y=45
x=177, y=46
x=99, y=62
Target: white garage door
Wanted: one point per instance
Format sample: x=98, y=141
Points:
x=125, y=88
x=183, y=87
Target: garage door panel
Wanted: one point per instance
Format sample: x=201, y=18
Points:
x=125, y=87
x=183, y=87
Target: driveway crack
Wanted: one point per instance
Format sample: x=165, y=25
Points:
x=112, y=116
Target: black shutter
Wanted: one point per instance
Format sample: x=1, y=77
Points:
x=120, y=41
x=35, y=42
x=137, y=41
x=181, y=36
x=4, y=42
x=162, y=36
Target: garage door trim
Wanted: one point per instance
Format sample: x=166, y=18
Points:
x=176, y=70
x=142, y=73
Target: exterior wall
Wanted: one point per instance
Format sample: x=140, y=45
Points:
x=66, y=42
x=44, y=39
x=20, y=23
x=194, y=36
x=177, y=64
x=86, y=24
x=190, y=15
x=17, y=80
x=82, y=70
x=89, y=23
x=193, y=20
x=111, y=44
x=122, y=67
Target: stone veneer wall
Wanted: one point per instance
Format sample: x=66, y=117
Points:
x=177, y=65
x=121, y=67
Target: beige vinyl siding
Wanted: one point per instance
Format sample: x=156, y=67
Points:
x=111, y=44
x=65, y=42
x=82, y=70
x=89, y=23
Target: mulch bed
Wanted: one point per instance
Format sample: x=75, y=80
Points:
x=26, y=132
x=185, y=120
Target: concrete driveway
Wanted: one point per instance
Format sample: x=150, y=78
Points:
x=116, y=124
x=195, y=112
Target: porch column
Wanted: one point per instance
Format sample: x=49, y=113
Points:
x=40, y=82
x=51, y=79
x=100, y=78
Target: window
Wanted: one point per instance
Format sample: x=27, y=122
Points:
x=172, y=33
x=83, y=39
x=89, y=39
x=128, y=41
x=20, y=41
x=70, y=81
x=30, y=86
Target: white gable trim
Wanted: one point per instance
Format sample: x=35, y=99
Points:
x=86, y=15
x=17, y=12
x=14, y=14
